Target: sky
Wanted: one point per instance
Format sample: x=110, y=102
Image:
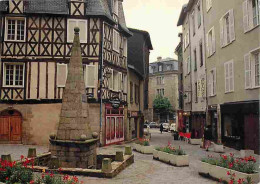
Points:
x=159, y=18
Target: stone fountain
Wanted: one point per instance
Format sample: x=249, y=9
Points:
x=74, y=145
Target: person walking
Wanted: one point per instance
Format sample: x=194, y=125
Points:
x=207, y=137
x=161, y=128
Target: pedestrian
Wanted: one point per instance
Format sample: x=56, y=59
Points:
x=207, y=137
x=161, y=128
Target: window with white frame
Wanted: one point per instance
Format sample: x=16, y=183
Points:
x=115, y=7
x=229, y=76
x=62, y=72
x=15, y=29
x=199, y=14
x=251, y=14
x=208, y=4
x=227, y=29
x=211, y=42
x=193, y=22
x=116, y=40
x=252, y=69
x=90, y=75
x=83, y=26
x=160, y=80
x=13, y=75
x=212, y=82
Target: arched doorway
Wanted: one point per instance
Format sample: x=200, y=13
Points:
x=10, y=126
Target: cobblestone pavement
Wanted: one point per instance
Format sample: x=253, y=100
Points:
x=145, y=170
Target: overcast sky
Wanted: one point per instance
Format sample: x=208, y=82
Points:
x=159, y=18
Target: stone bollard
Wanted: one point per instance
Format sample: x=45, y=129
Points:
x=31, y=152
x=128, y=150
x=6, y=157
x=119, y=156
x=106, y=165
x=54, y=163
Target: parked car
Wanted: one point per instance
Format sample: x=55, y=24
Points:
x=166, y=127
x=152, y=125
x=146, y=125
x=173, y=127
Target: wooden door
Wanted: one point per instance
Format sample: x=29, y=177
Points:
x=4, y=129
x=251, y=128
x=15, y=128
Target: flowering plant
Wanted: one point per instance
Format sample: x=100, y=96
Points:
x=244, y=165
x=232, y=179
x=171, y=150
x=144, y=142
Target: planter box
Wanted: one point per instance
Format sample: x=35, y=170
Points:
x=218, y=148
x=176, y=160
x=143, y=149
x=246, y=153
x=221, y=172
x=195, y=141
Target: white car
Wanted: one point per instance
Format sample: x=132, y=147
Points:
x=173, y=127
x=166, y=127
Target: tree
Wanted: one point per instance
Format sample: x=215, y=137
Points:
x=162, y=105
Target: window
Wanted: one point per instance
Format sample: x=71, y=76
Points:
x=188, y=65
x=136, y=94
x=252, y=69
x=116, y=80
x=15, y=29
x=125, y=47
x=124, y=81
x=198, y=14
x=160, y=80
x=131, y=92
x=160, y=92
x=13, y=75
x=229, y=76
x=115, y=7
x=201, y=54
x=90, y=75
x=212, y=82
x=196, y=92
x=116, y=40
x=211, y=42
x=160, y=68
x=208, y=4
x=251, y=15
x=62, y=72
x=83, y=26
x=168, y=67
x=227, y=32
x=193, y=22
x=195, y=59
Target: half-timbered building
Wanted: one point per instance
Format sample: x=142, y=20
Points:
x=36, y=41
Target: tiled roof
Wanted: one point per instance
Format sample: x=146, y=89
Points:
x=98, y=7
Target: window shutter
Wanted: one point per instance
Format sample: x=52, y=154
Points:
x=110, y=85
x=213, y=41
x=125, y=83
x=210, y=84
x=226, y=77
x=214, y=81
x=61, y=75
x=252, y=59
x=82, y=24
x=245, y=16
x=221, y=32
x=207, y=5
x=90, y=76
x=231, y=76
x=247, y=71
x=232, y=25
x=72, y=25
x=188, y=38
x=120, y=86
x=250, y=14
x=208, y=44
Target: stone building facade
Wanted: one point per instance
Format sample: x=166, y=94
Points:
x=163, y=80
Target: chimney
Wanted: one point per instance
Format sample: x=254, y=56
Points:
x=159, y=58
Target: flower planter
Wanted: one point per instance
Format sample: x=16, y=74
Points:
x=246, y=153
x=221, y=173
x=143, y=149
x=195, y=141
x=176, y=160
x=219, y=148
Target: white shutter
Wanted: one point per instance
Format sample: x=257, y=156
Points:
x=247, y=71
x=71, y=25
x=231, y=76
x=82, y=24
x=252, y=59
x=210, y=83
x=90, y=76
x=120, y=82
x=226, y=65
x=250, y=14
x=188, y=65
x=231, y=25
x=207, y=44
x=62, y=73
x=245, y=16
x=110, y=80
x=125, y=83
x=214, y=81
x=213, y=41
x=221, y=32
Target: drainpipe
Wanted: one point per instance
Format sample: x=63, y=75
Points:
x=101, y=84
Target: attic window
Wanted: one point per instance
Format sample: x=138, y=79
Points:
x=115, y=7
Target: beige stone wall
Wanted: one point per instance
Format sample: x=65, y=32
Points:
x=243, y=44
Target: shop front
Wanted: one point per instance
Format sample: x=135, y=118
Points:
x=136, y=123
x=198, y=124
